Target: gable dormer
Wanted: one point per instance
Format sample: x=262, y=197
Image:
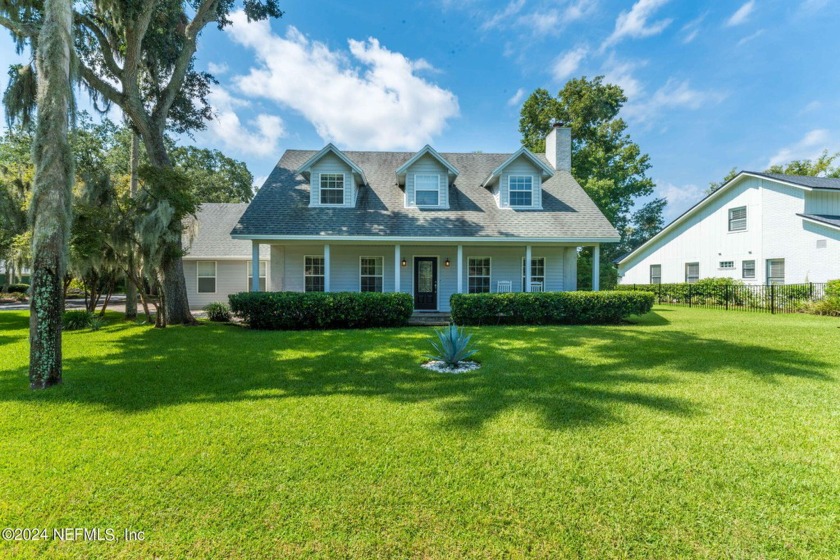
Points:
x=517, y=183
x=426, y=177
x=334, y=179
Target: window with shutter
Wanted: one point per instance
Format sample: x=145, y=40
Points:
x=738, y=218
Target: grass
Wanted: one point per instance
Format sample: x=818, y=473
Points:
x=691, y=433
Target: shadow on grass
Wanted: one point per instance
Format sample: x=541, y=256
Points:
x=569, y=376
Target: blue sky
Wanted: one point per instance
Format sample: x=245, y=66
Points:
x=711, y=85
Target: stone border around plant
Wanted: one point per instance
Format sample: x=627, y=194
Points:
x=441, y=367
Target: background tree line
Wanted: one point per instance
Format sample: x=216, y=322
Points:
x=114, y=238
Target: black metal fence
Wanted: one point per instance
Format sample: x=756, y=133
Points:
x=787, y=298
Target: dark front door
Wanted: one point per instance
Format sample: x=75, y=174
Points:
x=425, y=283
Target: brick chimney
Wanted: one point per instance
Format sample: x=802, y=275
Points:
x=558, y=147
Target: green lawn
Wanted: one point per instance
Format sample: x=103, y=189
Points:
x=689, y=434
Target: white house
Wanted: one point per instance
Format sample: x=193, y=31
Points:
x=761, y=228
x=216, y=265
x=426, y=223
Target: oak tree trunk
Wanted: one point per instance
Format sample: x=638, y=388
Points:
x=51, y=195
x=176, y=306
x=130, y=289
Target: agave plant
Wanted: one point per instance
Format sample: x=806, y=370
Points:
x=452, y=346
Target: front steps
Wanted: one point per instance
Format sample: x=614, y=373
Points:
x=429, y=319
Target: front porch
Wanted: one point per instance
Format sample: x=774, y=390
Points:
x=431, y=272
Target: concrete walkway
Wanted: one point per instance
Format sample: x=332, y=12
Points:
x=117, y=303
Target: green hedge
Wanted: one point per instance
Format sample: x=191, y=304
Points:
x=319, y=310
x=17, y=288
x=549, y=308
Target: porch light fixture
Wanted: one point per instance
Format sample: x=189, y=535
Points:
x=404, y=263
x=446, y=263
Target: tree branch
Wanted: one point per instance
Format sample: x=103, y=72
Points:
x=19, y=29
x=107, y=51
x=204, y=15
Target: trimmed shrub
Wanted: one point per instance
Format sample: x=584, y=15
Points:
x=321, y=310
x=832, y=289
x=549, y=308
x=218, y=312
x=77, y=320
x=18, y=288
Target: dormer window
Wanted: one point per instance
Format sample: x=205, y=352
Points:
x=521, y=190
x=427, y=190
x=332, y=188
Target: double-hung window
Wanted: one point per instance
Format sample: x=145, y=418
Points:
x=370, y=273
x=692, y=272
x=537, y=272
x=775, y=271
x=521, y=190
x=313, y=274
x=427, y=190
x=478, y=275
x=263, y=275
x=738, y=218
x=748, y=270
x=206, y=273
x=656, y=274
x=332, y=188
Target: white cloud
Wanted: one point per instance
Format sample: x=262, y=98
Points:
x=621, y=74
x=675, y=94
x=750, y=37
x=809, y=147
x=692, y=29
x=741, y=15
x=544, y=18
x=680, y=198
x=567, y=64
x=258, y=137
x=503, y=16
x=634, y=24
x=369, y=99
x=516, y=98
x=812, y=106
x=217, y=69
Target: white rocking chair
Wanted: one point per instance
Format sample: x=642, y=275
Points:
x=503, y=286
x=536, y=286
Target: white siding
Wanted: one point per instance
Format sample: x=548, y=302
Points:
x=330, y=163
x=506, y=264
x=231, y=278
x=427, y=165
x=773, y=231
x=521, y=166
x=818, y=202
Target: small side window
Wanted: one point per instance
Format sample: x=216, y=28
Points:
x=656, y=274
x=206, y=273
x=738, y=218
x=748, y=270
x=692, y=272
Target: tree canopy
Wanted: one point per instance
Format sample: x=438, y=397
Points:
x=605, y=160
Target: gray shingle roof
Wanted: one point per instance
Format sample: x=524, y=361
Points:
x=811, y=182
x=212, y=233
x=823, y=218
x=281, y=207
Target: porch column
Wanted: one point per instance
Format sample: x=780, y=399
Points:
x=459, y=268
x=397, y=271
x=527, y=268
x=596, y=268
x=326, y=268
x=255, y=266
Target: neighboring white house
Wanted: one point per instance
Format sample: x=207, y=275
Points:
x=424, y=223
x=762, y=228
x=216, y=265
